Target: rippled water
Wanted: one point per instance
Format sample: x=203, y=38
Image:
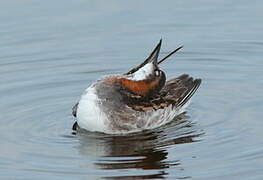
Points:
x=50, y=51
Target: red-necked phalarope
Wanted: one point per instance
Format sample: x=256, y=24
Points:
x=137, y=100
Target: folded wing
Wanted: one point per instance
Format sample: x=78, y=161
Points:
x=176, y=92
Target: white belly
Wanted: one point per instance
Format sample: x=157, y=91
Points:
x=89, y=115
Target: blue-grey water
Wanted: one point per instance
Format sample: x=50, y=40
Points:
x=50, y=51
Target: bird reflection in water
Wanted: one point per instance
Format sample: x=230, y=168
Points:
x=141, y=151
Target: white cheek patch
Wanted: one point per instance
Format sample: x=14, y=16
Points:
x=142, y=73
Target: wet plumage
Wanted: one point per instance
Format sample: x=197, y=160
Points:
x=137, y=100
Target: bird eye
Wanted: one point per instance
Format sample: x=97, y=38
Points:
x=157, y=72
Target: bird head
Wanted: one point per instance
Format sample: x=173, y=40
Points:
x=147, y=78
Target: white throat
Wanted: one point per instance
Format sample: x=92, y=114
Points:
x=142, y=73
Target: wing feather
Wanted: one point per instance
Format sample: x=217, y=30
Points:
x=177, y=91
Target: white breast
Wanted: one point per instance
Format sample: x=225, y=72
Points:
x=89, y=115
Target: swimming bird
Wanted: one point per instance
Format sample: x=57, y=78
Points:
x=140, y=99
